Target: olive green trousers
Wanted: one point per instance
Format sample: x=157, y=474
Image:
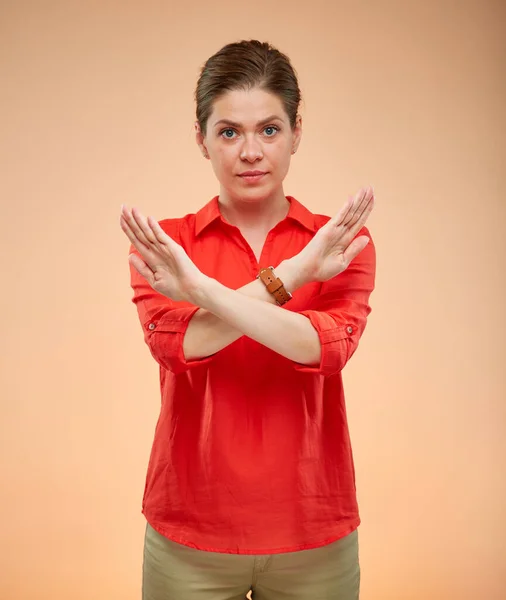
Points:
x=172, y=571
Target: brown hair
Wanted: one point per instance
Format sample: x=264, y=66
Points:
x=244, y=65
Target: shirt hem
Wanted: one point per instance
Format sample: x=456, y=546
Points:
x=350, y=527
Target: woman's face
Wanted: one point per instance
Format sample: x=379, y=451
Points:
x=249, y=131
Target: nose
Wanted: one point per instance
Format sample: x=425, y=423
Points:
x=251, y=149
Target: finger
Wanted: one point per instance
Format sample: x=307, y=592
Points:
x=161, y=236
x=141, y=228
x=167, y=245
x=362, y=212
x=158, y=239
x=361, y=198
x=141, y=267
x=365, y=212
x=134, y=227
x=355, y=248
x=145, y=251
x=130, y=234
x=350, y=234
x=343, y=213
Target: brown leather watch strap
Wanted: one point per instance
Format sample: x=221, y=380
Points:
x=274, y=285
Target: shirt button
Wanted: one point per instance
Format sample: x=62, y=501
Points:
x=151, y=326
x=349, y=329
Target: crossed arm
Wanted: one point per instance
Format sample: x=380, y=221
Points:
x=222, y=316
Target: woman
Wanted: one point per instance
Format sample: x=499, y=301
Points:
x=250, y=482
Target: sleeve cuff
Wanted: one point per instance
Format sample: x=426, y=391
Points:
x=334, y=339
x=168, y=349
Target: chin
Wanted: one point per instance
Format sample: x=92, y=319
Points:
x=262, y=190
x=256, y=195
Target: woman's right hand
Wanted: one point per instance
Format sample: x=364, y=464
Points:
x=161, y=260
x=334, y=245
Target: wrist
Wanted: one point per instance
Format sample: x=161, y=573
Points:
x=198, y=293
x=291, y=274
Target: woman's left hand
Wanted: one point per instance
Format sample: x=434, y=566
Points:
x=164, y=264
x=334, y=245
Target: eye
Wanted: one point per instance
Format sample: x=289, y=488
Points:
x=273, y=129
x=224, y=133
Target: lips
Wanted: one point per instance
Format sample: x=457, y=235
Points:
x=251, y=173
x=252, y=177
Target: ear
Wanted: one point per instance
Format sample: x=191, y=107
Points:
x=199, y=138
x=297, y=133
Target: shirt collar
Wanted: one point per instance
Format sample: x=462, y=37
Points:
x=210, y=212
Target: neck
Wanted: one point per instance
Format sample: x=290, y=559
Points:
x=254, y=215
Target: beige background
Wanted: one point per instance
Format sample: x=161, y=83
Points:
x=97, y=109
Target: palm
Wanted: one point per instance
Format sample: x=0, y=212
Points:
x=166, y=275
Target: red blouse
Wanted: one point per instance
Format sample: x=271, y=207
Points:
x=251, y=452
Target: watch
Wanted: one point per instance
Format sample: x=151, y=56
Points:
x=274, y=285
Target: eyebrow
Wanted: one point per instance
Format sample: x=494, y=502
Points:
x=238, y=125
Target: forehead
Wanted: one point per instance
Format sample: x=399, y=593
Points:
x=247, y=107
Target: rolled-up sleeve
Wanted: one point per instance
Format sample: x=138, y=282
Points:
x=164, y=323
x=339, y=312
